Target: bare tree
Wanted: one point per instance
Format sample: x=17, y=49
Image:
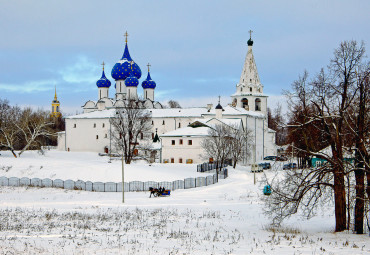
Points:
x=8, y=131
x=33, y=125
x=322, y=105
x=173, y=104
x=130, y=124
x=239, y=145
x=217, y=144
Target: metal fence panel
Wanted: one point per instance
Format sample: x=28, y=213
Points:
x=69, y=184
x=58, y=183
x=13, y=181
x=136, y=186
x=80, y=185
x=189, y=183
x=209, y=180
x=200, y=182
x=119, y=187
x=88, y=186
x=36, y=182
x=178, y=184
x=110, y=187
x=24, y=181
x=98, y=186
x=215, y=178
x=149, y=184
x=4, y=181
x=46, y=183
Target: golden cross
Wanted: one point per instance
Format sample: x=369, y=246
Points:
x=148, y=65
x=126, y=35
x=103, y=64
x=250, y=34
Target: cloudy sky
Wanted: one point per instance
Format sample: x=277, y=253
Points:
x=196, y=48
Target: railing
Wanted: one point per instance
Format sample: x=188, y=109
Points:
x=132, y=186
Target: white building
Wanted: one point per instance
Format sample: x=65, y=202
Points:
x=91, y=130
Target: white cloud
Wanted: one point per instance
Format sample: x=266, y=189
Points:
x=82, y=71
x=30, y=86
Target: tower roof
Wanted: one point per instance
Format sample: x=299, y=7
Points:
x=121, y=70
x=250, y=74
x=103, y=82
x=148, y=83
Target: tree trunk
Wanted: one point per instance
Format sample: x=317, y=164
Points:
x=339, y=200
x=360, y=196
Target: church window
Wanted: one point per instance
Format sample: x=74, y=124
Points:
x=152, y=122
x=190, y=142
x=57, y=108
x=179, y=125
x=180, y=160
x=258, y=104
x=97, y=137
x=172, y=160
x=241, y=89
x=74, y=125
x=250, y=89
x=103, y=125
x=180, y=141
x=245, y=103
x=163, y=123
x=172, y=142
x=152, y=135
x=251, y=80
x=106, y=136
x=94, y=125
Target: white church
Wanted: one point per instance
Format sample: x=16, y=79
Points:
x=179, y=139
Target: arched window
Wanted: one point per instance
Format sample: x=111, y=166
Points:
x=258, y=104
x=245, y=103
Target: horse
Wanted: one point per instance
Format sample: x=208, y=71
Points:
x=155, y=192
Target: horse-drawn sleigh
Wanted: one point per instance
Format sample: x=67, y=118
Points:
x=159, y=192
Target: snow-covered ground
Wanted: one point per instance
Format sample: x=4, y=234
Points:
x=224, y=218
x=88, y=166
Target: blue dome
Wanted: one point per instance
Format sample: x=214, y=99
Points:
x=103, y=82
x=148, y=83
x=131, y=81
x=121, y=70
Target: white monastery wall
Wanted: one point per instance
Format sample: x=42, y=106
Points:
x=182, y=153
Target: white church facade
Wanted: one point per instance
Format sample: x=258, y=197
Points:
x=91, y=130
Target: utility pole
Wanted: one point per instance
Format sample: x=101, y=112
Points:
x=123, y=181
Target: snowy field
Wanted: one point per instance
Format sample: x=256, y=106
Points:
x=224, y=218
x=88, y=166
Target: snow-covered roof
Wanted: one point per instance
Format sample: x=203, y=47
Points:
x=187, y=131
x=94, y=115
x=230, y=110
x=195, y=112
x=178, y=112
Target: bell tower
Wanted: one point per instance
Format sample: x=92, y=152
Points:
x=55, y=106
x=249, y=91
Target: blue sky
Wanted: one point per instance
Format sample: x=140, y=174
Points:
x=196, y=48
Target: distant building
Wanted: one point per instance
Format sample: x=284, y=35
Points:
x=91, y=131
x=55, y=106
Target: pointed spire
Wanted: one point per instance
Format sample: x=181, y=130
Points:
x=126, y=53
x=250, y=74
x=55, y=96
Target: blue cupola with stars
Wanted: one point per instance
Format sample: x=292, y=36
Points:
x=121, y=70
x=131, y=80
x=148, y=83
x=103, y=82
